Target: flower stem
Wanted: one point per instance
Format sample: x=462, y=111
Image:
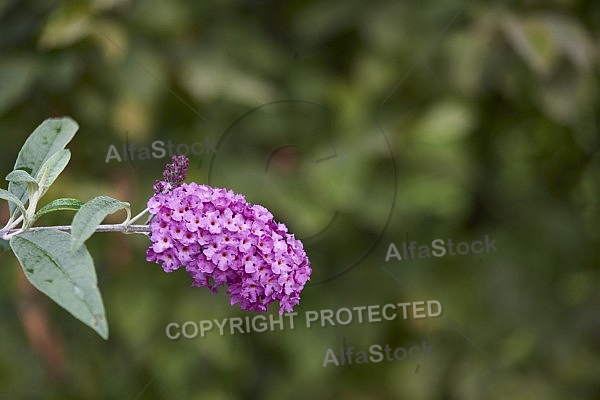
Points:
x=12, y=224
x=141, y=229
x=140, y=215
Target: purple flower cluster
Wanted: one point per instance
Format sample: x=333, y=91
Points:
x=221, y=239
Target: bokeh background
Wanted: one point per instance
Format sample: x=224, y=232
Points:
x=419, y=120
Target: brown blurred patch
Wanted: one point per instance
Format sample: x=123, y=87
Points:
x=45, y=340
x=285, y=160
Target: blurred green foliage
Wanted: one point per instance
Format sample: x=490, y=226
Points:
x=493, y=130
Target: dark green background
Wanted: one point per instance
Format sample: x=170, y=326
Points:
x=493, y=130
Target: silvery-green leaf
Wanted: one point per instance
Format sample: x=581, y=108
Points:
x=52, y=168
x=91, y=214
x=19, y=175
x=49, y=137
x=12, y=199
x=67, y=277
x=59, y=205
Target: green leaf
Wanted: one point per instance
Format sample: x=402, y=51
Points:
x=4, y=245
x=51, y=169
x=19, y=175
x=19, y=73
x=91, y=214
x=12, y=199
x=59, y=205
x=49, y=137
x=66, y=25
x=67, y=277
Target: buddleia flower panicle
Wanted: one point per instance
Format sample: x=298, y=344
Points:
x=223, y=240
